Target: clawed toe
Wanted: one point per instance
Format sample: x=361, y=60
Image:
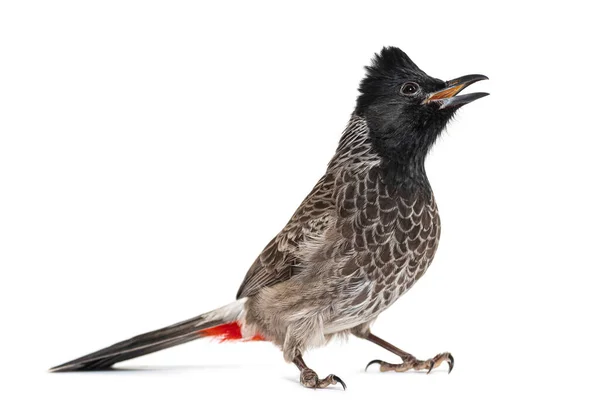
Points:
x=431, y=363
x=414, y=364
x=445, y=357
x=373, y=362
x=338, y=380
x=308, y=378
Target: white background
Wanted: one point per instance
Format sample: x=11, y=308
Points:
x=148, y=152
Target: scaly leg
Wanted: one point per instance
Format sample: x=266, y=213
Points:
x=408, y=361
x=308, y=378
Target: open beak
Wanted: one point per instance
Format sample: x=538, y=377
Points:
x=447, y=98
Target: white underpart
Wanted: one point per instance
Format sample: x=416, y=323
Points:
x=228, y=313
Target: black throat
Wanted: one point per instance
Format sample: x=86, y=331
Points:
x=403, y=159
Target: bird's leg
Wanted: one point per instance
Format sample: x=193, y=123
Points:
x=308, y=378
x=409, y=362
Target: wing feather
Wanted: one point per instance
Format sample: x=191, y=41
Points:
x=278, y=260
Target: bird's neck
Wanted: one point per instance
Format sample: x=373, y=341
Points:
x=403, y=161
x=409, y=176
x=402, y=147
x=402, y=166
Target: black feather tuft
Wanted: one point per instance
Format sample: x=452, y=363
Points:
x=390, y=61
x=401, y=128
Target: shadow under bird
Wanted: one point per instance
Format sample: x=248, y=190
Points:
x=364, y=235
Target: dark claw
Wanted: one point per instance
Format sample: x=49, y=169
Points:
x=373, y=362
x=430, y=366
x=339, y=380
x=450, y=363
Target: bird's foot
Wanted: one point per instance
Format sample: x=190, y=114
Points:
x=308, y=378
x=413, y=364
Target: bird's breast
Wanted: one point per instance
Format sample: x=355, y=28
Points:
x=393, y=235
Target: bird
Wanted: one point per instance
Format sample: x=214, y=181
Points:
x=363, y=236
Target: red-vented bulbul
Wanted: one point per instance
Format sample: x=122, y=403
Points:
x=364, y=235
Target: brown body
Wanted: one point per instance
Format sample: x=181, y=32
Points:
x=364, y=235
x=354, y=246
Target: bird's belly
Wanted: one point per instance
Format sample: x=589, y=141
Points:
x=365, y=302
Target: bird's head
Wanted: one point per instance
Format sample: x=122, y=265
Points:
x=406, y=109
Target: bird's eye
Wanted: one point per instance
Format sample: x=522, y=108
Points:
x=409, y=88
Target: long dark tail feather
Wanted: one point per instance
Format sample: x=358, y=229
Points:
x=153, y=341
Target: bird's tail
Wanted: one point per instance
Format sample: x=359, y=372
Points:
x=222, y=323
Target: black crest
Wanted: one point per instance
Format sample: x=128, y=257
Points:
x=388, y=69
x=389, y=62
x=401, y=128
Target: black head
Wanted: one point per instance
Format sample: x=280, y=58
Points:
x=406, y=109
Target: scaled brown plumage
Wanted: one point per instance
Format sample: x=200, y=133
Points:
x=364, y=235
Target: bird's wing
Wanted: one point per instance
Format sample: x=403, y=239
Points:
x=277, y=261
